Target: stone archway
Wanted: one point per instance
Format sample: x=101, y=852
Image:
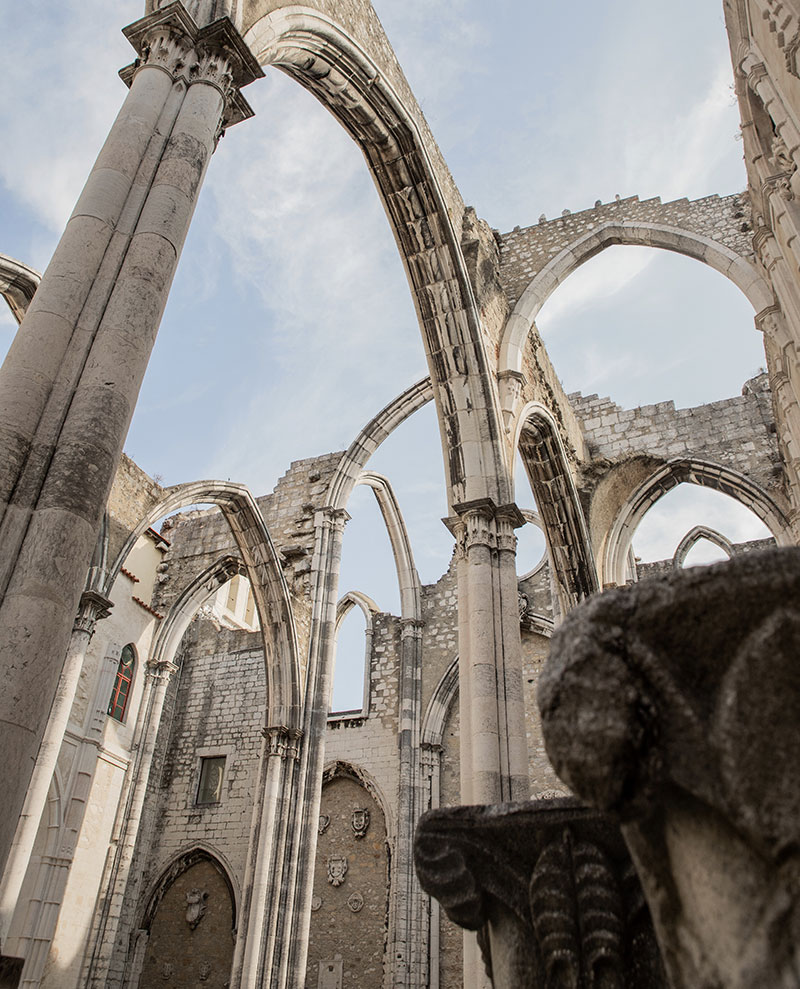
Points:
x=191, y=926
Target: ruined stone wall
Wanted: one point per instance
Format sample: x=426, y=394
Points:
x=526, y=250
x=736, y=432
x=216, y=708
x=133, y=495
x=440, y=631
x=350, y=905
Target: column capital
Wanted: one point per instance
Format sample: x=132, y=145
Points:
x=216, y=55
x=282, y=741
x=333, y=518
x=91, y=609
x=483, y=523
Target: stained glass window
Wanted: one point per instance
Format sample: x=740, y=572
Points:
x=122, y=684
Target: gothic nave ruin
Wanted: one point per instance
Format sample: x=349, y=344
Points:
x=182, y=804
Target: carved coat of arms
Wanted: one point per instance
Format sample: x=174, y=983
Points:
x=195, y=906
x=337, y=869
x=324, y=822
x=360, y=822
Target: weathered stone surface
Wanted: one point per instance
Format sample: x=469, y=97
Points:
x=550, y=888
x=674, y=703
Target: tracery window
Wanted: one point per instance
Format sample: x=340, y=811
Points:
x=122, y=684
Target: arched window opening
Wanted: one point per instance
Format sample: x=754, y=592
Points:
x=642, y=325
x=121, y=690
x=351, y=664
x=671, y=518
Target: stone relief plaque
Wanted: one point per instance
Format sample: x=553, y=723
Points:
x=195, y=906
x=337, y=869
x=324, y=823
x=316, y=903
x=355, y=902
x=360, y=822
x=167, y=970
x=330, y=974
x=204, y=971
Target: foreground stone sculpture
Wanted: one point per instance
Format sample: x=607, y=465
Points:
x=551, y=890
x=674, y=703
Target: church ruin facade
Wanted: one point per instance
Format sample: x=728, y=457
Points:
x=182, y=806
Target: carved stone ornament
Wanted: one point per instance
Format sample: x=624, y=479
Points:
x=316, y=903
x=324, y=823
x=360, y=822
x=551, y=890
x=167, y=971
x=687, y=691
x=355, y=902
x=337, y=869
x=195, y=906
x=204, y=970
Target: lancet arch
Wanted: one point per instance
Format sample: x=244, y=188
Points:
x=546, y=462
x=441, y=701
x=740, y=270
x=693, y=537
x=189, y=601
x=369, y=96
x=671, y=474
x=263, y=569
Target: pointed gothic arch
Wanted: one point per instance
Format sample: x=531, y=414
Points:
x=424, y=209
x=740, y=270
x=673, y=473
x=263, y=569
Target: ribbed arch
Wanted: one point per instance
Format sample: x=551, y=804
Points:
x=407, y=577
x=379, y=428
x=349, y=770
x=263, y=570
x=182, y=861
x=18, y=283
x=188, y=603
x=673, y=473
x=425, y=212
x=741, y=271
x=562, y=519
x=693, y=537
x=439, y=706
x=355, y=599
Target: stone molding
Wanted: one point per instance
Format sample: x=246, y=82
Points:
x=92, y=608
x=483, y=523
x=551, y=889
x=686, y=690
x=215, y=55
x=282, y=741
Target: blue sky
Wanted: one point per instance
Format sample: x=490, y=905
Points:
x=290, y=322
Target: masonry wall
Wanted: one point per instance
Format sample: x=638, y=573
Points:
x=350, y=906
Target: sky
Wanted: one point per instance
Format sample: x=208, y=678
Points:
x=290, y=322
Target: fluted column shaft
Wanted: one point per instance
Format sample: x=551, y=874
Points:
x=70, y=382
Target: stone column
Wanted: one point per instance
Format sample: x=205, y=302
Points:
x=127, y=826
x=72, y=376
x=409, y=950
x=93, y=607
x=258, y=960
x=329, y=523
x=494, y=758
